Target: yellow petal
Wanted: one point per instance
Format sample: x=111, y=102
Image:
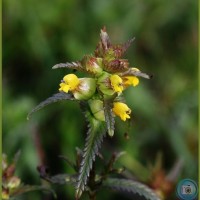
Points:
x=64, y=87
x=71, y=80
x=122, y=110
x=131, y=80
x=70, y=83
x=116, y=83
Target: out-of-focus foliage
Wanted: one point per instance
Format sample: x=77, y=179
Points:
x=39, y=34
x=11, y=184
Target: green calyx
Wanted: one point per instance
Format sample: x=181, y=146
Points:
x=86, y=89
x=96, y=107
x=104, y=84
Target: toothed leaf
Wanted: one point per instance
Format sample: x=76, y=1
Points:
x=55, y=98
x=130, y=186
x=127, y=44
x=109, y=118
x=121, y=49
x=94, y=139
x=69, y=65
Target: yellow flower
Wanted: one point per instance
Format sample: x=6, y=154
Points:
x=131, y=80
x=70, y=83
x=122, y=110
x=116, y=83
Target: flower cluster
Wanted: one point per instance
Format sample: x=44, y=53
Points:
x=111, y=75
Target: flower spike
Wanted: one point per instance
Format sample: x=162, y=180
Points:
x=100, y=93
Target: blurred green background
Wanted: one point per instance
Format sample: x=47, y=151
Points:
x=40, y=34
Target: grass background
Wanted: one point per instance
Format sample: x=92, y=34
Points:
x=40, y=34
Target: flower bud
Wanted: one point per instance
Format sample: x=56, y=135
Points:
x=96, y=107
x=85, y=89
x=13, y=182
x=109, y=55
x=116, y=66
x=93, y=65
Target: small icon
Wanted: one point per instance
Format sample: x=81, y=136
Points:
x=187, y=189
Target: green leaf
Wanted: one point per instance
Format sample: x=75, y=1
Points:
x=130, y=186
x=109, y=117
x=68, y=65
x=28, y=188
x=55, y=98
x=94, y=139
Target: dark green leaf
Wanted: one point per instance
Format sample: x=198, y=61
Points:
x=109, y=117
x=94, y=139
x=55, y=98
x=130, y=186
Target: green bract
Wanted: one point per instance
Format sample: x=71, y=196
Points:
x=96, y=107
x=93, y=65
x=104, y=84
